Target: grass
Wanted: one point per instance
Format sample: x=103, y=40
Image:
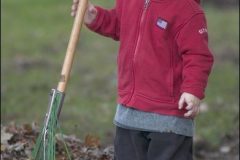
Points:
x=222, y=94
x=222, y=100
x=34, y=40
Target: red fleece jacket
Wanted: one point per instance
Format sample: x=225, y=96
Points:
x=163, y=51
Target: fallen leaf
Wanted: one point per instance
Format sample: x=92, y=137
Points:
x=3, y=147
x=27, y=128
x=5, y=137
x=92, y=141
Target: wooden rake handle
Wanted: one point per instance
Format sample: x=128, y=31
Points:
x=68, y=61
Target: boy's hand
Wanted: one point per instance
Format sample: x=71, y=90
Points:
x=192, y=102
x=90, y=14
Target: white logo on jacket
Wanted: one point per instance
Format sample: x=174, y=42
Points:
x=162, y=23
x=202, y=30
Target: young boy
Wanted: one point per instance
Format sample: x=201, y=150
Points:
x=163, y=66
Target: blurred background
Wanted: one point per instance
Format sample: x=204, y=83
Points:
x=33, y=44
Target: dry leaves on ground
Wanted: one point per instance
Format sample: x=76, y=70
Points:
x=17, y=143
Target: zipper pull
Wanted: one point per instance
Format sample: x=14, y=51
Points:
x=146, y=4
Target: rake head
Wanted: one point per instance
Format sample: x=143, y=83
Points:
x=46, y=142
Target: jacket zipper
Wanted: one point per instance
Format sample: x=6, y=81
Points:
x=141, y=27
x=139, y=37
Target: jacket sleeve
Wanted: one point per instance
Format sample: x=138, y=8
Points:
x=192, y=41
x=107, y=22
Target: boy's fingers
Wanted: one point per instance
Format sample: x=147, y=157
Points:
x=73, y=14
x=197, y=111
x=92, y=9
x=188, y=114
x=74, y=7
x=192, y=113
x=75, y=1
x=189, y=106
x=181, y=102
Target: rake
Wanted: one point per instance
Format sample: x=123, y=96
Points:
x=45, y=148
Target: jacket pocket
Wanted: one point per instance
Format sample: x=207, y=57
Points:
x=153, y=79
